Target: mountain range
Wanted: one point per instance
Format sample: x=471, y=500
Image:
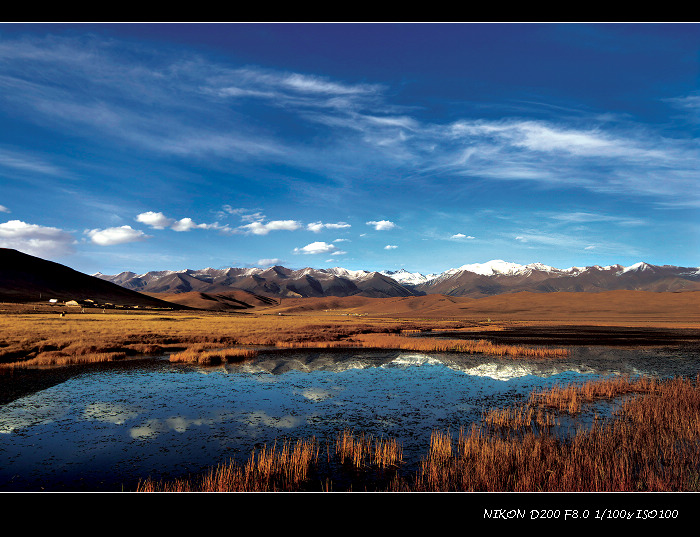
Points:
x=25, y=278
x=472, y=280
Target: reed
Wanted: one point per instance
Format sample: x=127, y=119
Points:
x=393, y=341
x=269, y=469
x=651, y=445
x=200, y=355
x=520, y=417
x=367, y=450
x=569, y=398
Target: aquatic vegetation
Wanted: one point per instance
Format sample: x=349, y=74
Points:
x=651, y=444
x=269, y=469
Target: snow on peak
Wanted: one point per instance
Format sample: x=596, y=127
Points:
x=493, y=267
x=352, y=274
x=404, y=277
x=637, y=267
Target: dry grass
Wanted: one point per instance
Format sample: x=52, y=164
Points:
x=47, y=339
x=392, y=341
x=200, y=354
x=401, y=342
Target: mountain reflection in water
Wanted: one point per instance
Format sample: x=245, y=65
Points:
x=106, y=427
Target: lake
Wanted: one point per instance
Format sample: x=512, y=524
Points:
x=104, y=427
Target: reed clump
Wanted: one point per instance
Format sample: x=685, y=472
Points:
x=399, y=342
x=278, y=468
x=652, y=444
x=571, y=397
x=202, y=354
x=366, y=450
x=520, y=417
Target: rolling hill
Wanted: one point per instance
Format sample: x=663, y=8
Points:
x=25, y=278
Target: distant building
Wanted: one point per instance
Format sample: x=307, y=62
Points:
x=72, y=303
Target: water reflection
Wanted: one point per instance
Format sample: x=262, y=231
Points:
x=105, y=428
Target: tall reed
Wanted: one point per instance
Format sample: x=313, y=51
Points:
x=366, y=450
x=269, y=469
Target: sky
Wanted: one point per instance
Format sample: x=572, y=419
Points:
x=139, y=147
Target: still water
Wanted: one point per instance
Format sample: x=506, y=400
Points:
x=103, y=428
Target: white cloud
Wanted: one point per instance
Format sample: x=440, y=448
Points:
x=36, y=240
x=4, y=209
x=461, y=236
x=390, y=247
x=160, y=221
x=258, y=228
x=186, y=224
x=155, y=220
x=318, y=247
x=268, y=262
x=115, y=235
x=316, y=227
x=381, y=225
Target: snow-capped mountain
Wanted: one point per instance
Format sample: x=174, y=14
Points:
x=497, y=276
x=410, y=278
x=475, y=280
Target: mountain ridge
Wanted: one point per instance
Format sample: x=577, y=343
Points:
x=471, y=280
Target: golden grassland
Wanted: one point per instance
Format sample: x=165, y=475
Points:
x=29, y=339
x=650, y=444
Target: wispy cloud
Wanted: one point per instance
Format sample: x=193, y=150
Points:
x=586, y=217
x=24, y=162
x=575, y=243
x=317, y=227
x=189, y=106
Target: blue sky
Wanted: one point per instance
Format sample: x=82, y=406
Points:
x=367, y=146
